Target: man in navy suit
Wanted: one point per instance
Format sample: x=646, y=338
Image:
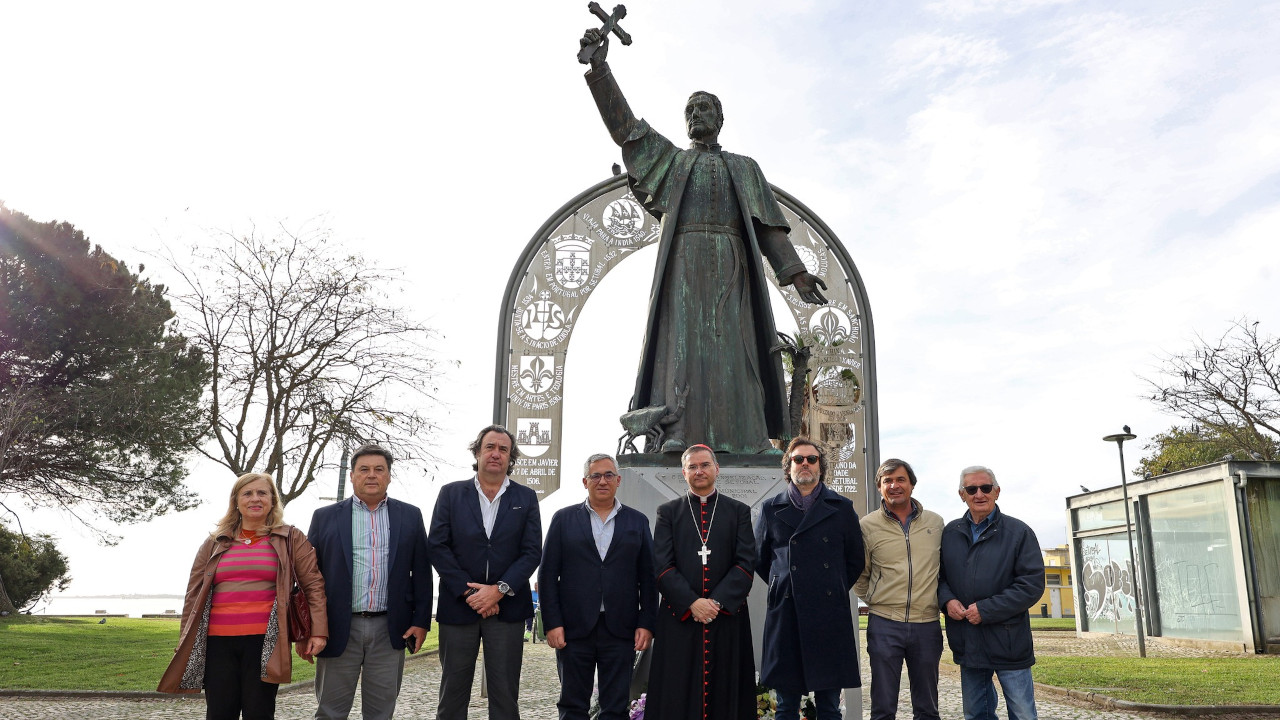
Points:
x=372, y=551
x=599, y=593
x=485, y=543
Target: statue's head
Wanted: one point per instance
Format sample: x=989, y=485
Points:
x=703, y=116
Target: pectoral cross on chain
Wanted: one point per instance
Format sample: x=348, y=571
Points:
x=610, y=26
x=705, y=553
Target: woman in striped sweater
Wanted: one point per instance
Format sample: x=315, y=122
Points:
x=234, y=641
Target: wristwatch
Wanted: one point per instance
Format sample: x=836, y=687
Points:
x=504, y=588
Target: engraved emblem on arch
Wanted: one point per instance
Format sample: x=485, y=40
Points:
x=810, y=260
x=543, y=319
x=537, y=373
x=830, y=326
x=841, y=437
x=572, y=260
x=836, y=390
x=533, y=435
x=624, y=220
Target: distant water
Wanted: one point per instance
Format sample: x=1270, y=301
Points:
x=133, y=606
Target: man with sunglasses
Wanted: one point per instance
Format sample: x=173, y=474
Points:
x=900, y=587
x=992, y=573
x=809, y=549
x=599, y=593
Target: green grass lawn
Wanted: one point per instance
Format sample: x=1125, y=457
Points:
x=1053, y=624
x=38, y=653
x=1245, y=680
x=1036, y=623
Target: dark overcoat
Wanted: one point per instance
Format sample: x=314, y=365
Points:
x=811, y=561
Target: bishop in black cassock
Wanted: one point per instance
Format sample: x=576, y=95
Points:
x=703, y=665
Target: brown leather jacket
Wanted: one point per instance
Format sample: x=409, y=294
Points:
x=185, y=673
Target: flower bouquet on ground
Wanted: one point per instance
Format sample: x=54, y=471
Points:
x=767, y=704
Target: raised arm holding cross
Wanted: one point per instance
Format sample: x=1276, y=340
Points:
x=589, y=48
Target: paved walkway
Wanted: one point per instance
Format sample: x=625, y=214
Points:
x=539, y=689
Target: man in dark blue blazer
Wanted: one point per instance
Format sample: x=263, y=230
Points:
x=485, y=543
x=599, y=594
x=372, y=551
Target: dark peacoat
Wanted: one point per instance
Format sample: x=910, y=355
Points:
x=811, y=561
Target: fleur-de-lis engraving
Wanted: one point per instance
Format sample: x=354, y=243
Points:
x=828, y=330
x=536, y=375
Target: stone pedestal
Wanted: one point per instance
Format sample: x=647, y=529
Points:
x=650, y=479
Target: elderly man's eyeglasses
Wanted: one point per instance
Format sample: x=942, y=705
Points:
x=606, y=476
x=801, y=459
x=973, y=489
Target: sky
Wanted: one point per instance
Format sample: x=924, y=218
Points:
x=1041, y=196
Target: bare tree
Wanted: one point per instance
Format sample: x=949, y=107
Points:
x=307, y=354
x=1230, y=386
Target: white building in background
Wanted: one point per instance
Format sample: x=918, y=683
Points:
x=1207, y=541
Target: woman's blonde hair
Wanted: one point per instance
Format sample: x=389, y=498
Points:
x=229, y=525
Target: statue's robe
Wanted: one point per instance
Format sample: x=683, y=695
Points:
x=710, y=334
x=703, y=671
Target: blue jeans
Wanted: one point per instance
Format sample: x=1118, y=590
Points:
x=980, y=694
x=826, y=701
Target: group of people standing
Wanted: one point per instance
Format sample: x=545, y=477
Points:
x=983, y=569
x=365, y=568
x=611, y=588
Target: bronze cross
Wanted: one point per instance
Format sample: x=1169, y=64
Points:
x=610, y=26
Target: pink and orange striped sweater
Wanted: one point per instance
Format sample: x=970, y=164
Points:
x=244, y=588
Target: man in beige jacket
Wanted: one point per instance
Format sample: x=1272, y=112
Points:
x=900, y=587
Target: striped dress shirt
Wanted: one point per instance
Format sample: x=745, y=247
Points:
x=370, y=551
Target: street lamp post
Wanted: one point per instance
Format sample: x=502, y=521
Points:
x=342, y=475
x=342, y=471
x=1119, y=439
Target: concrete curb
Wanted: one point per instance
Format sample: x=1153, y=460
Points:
x=152, y=695
x=1111, y=703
